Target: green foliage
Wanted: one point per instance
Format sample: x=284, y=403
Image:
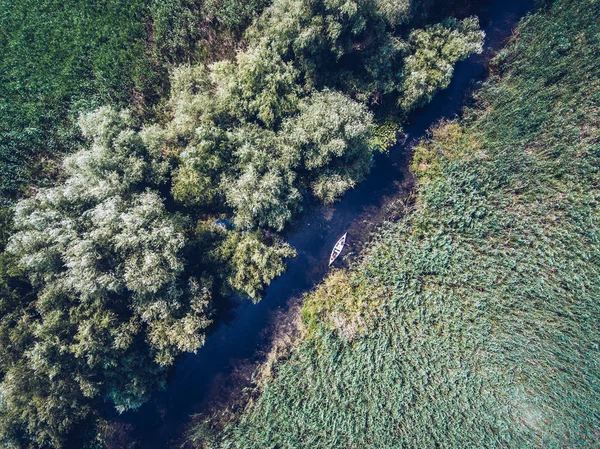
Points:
x=177, y=26
x=347, y=46
x=260, y=172
x=183, y=27
x=230, y=157
x=397, y=12
x=343, y=304
x=111, y=305
x=331, y=136
x=196, y=181
x=263, y=193
x=232, y=14
x=474, y=321
x=336, y=44
x=257, y=85
x=102, y=286
x=433, y=53
x=257, y=131
x=15, y=292
x=252, y=262
x=190, y=103
x=385, y=135
x=263, y=199
x=358, y=47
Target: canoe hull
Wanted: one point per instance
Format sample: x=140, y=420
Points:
x=337, y=249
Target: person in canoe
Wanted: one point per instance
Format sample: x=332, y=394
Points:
x=337, y=249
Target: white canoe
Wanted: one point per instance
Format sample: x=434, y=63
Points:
x=337, y=249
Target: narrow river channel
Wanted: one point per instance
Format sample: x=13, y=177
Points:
x=241, y=332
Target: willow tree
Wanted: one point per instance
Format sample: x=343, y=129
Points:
x=262, y=191
x=251, y=262
x=433, y=51
x=288, y=114
x=331, y=136
x=111, y=305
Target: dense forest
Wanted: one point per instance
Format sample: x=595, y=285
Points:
x=474, y=320
x=153, y=153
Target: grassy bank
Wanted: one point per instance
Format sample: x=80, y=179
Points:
x=474, y=322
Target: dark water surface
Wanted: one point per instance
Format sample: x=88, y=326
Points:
x=240, y=334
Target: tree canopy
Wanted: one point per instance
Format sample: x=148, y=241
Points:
x=288, y=116
x=111, y=303
x=433, y=52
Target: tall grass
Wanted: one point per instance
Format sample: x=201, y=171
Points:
x=475, y=321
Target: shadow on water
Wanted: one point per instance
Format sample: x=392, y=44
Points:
x=160, y=422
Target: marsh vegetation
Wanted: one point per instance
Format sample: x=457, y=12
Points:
x=473, y=321
x=131, y=133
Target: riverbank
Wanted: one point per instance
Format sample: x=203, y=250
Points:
x=472, y=322
x=241, y=334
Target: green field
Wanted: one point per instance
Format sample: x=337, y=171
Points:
x=475, y=321
x=59, y=58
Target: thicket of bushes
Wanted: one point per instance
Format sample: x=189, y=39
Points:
x=289, y=116
x=474, y=321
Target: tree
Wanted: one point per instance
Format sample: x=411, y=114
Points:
x=310, y=139
x=334, y=43
x=433, y=53
x=190, y=102
x=262, y=193
x=396, y=12
x=111, y=303
x=252, y=263
x=259, y=85
x=202, y=164
x=331, y=137
x=184, y=28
